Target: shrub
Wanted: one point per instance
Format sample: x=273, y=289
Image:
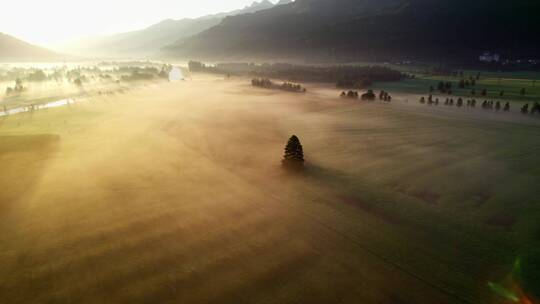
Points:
x=536, y=108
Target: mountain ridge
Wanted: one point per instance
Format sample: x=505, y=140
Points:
x=371, y=30
x=149, y=41
x=13, y=49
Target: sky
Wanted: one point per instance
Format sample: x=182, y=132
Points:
x=51, y=22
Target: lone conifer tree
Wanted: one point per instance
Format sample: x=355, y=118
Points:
x=294, y=153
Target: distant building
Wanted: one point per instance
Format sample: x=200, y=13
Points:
x=489, y=57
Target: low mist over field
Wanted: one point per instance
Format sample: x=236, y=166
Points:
x=308, y=151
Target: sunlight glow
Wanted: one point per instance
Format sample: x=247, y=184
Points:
x=49, y=23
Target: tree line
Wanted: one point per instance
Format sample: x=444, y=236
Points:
x=286, y=86
x=460, y=102
x=535, y=109
x=368, y=96
x=446, y=88
x=344, y=76
x=486, y=104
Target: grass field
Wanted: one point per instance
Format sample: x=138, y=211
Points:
x=174, y=194
x=38, y=93
x=493, y=82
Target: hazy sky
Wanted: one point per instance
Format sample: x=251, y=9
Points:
x=47, y=22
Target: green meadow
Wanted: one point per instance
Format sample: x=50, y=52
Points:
x=511, y=83
x=174, y=193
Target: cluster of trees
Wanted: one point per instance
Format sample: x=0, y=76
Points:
x=17, y=89
x=349, y=94
x=490, y=105
x=465, y=83
x=30, y=75
x=74, y=74
x=356, y=77
x=482, y=93
x=459, y=102
x=385, y=96
x=11, y=74
x=352, y=75
x=105, y=76
x=144, y=73
x=196, y=66
x=353, y=83
x=80, y=80
x=286, y=86
x=82, y=74
x=37, y=75
x=137, y=75
x=292, y=87
x=446, y=87
x=441, y=71
x=534, y=110
x=368, y=96
x=443, y=87
x=262, y=82
x=448, y=72
x=138, y=69
x=344, y=76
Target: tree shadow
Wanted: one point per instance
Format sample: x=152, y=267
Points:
x=22, y=160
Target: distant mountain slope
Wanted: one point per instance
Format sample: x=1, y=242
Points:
x=283, y=2
x=372, y=30
x=13, y=49
x=149, y=41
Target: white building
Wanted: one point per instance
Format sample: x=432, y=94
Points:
x=489, y=57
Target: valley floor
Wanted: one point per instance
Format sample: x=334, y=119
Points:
x=174, y=193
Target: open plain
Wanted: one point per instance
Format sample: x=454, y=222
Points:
x=174, y=193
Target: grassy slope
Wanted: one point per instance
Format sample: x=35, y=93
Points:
x=15, y=50
x=174, y=194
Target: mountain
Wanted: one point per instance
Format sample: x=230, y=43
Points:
x=254, y=7
x=149, y=41
x=13, y=49
x=354, y=30
x=283, y=2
